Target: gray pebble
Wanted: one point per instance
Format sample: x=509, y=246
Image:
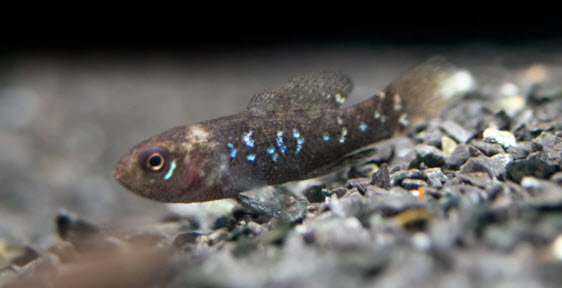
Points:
x=522, y=132
x=381, y=178
x=340, y=191
x=431, y=136
x=502, y=120
x=412, y=184
x=478, y=164
x=521, y=151
x=456, y=131
x=458, y=157
x=315, y=194
x=480, y=179
x=397, y=177
x=430, y=156
x=548, y=139
x=538, y=164
x=489, y=149
x=544, y=93
x=557, y=178
x=435, y=177
x=186, y=238
x=359, y=183
x=495, y=166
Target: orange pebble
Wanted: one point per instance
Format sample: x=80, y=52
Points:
x=421, y=194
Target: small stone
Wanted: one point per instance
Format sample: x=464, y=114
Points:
x=374, y=191
x=474, y=152
x=431, y=156
x=531, y=183
x=82, y=234
x=480, y=179
x=224, y=221
x=359, y=183
x=432, y=136
x=339, y=233
x=494, y=167
x=29, y=254
x=538, y=164
x=489, y=149
x=397, y=177
x=413, y=219
x=456, y=131
x=500, y=162
x=412, y=184
x=435, y=177
x=512, y=104
x=542, y=190
x=520, y=151
x=478, y=164
x=548, y=139
x=556, y=248
x=522, y=133
x=186, y=239
x=448, y=145
x=315, y=194
x=458, y=157
x=545, y=93
x=502, y=121
x=557, y=178
x=504, y=138
x=244, y=246
x=339, y=192
x=381, y=178
x=216, y=237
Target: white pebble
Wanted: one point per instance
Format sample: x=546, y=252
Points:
x=505, y=138
x=557, y=248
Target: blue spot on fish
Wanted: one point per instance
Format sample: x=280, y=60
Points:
x=251, y=157
x=343, y=134
x=296, y=133
x=171, y=171
x=300, y=140
x=271, y=151
x=248, y=139
x=326, y=137
x=280, y=144
x=363, y=127
x=232, y=150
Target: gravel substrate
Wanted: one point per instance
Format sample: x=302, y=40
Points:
x=470, y=199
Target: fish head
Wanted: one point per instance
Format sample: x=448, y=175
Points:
x=169, y=167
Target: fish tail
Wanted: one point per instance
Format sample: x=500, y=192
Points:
x=430, y=86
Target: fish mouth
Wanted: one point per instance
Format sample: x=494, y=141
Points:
x=123, y=171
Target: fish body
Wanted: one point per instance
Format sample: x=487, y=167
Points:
x=294, y=133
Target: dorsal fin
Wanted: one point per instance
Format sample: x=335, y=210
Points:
x=314, y=91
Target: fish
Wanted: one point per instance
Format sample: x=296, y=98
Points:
x=296, y=132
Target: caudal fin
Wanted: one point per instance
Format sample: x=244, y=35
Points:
x=429, y=86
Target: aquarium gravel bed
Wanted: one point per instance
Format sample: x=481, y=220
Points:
x=472, y=198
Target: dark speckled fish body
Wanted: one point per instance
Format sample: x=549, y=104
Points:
x=294, y=133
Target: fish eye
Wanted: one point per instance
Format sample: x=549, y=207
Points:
x=153, y=159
